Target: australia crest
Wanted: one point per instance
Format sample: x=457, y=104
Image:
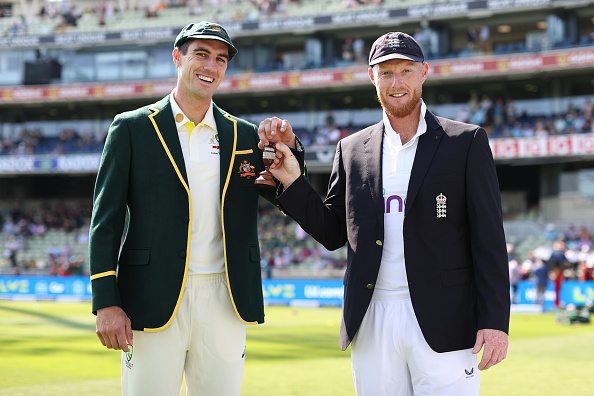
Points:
x=246, y=170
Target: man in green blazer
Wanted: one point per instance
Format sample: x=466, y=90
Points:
x=177, y=294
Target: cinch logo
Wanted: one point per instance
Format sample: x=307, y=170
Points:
x=388, y=203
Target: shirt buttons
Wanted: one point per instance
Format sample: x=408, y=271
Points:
x=369, y=286
x=379, y=243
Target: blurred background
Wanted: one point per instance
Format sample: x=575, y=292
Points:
x=522, y=69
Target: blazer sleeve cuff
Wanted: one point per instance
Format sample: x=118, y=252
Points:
x=105, y=292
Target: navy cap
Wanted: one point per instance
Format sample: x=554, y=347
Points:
x=395, y=45
x=207, y=31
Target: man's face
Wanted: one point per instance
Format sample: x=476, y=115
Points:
x=399, y=85
x=201, y=70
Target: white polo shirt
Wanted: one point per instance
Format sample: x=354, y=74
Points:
x=397, y=164
x=200, y=148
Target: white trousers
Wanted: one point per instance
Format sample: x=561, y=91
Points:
x=390, y=356
x=206, y=341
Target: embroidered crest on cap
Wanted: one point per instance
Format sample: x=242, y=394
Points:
x=395, y=42
x=214, y=28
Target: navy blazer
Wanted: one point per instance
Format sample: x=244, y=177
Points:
x=456, y=265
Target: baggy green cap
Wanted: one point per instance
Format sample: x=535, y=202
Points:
x=207, y=31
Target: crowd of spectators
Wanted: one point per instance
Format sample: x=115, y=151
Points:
x=359, y=3
x=283, y=243
x=501, y=119
x=565, y=254
x=20, y=228
x=32, y=141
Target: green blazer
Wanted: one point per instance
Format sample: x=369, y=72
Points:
x=142, y=176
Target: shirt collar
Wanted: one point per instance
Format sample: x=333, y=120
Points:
x=421, y=129
x=180, y=121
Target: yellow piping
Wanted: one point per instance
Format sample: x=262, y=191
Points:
x=102, y=274
x=244, y=151
x=234, y=152
x=181, y=292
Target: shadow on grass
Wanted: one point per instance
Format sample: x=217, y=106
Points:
x=291, y=346
x=50, y=318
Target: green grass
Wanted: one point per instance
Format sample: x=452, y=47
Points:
x=49, y=349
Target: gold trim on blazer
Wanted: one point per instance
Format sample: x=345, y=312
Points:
x=102, y=274
x=179, y=175
x=227, y=179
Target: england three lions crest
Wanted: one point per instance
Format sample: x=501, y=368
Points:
x=441, y=205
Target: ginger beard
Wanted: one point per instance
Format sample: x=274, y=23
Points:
x=401, y=111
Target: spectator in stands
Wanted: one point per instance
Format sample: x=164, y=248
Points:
x=329, y=120
x=558, y=256
x=359, y=49
x=515, y=276
x=397, y=261
x=541, y=278
x=583, y=257
x=463, y=114
x=527, y=130
x=510, y=112
x=347, y=50
x=422, y=37
x=473, y=103
x=539, y=129
x=472, y=38
x=10, y=250
x=498, y=112
x=334, y=134
x=528, y=266
x=321, y=137
x=166, y=164
x=560, y=124
x=584, y=237
x=557, y=278
x=484, y=37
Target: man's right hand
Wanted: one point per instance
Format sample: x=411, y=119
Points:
x=114, y=328
x=285, y=166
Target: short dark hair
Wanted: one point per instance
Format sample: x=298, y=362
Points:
x=183, y=48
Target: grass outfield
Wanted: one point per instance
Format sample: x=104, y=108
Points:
x=49, y=349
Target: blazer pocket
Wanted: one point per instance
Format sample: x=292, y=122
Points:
x=255, y=253
x=458, y=276
x=246, y=167
x=441, y=178
x=134, y=257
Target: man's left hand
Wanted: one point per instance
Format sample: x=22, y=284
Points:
x=495, y=342
x=275, y=130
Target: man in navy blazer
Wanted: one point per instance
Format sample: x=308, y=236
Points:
x=416, y=199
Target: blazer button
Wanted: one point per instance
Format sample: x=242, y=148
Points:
x=379, y=243
x=369, y=286
x=182, y=253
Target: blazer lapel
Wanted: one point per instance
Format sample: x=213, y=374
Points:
x=373, y=155
x=428, y=143
x=227, y=131
x=164, y=124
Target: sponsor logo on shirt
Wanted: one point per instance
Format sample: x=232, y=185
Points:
x=393, y=203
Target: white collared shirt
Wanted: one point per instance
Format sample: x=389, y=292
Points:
x=201, y=156
x=397, y=164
